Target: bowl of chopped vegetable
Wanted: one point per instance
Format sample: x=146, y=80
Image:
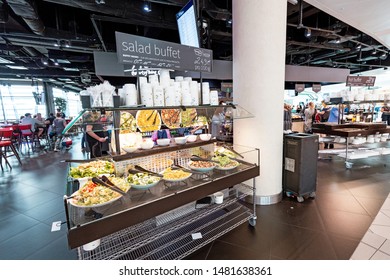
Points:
x=202, y=166
x=225, y=163
x=175, y=175
x=143, y=181
x=92, y=169
x=91, y=194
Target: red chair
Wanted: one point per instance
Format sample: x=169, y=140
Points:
x=6, y=135
x=26, y=135
x=16, y=134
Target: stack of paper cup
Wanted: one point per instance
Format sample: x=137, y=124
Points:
x=188, y=79
x=153, y=79
x=186, y=99
x=178, y=94
x=171, y=82
x=131, y=96
x=142, y=80
x=122, y=95
x=194, y=91
x=205, y=93
x=147, y=95
x=185, y=87
x=214, y=98
x=179, y=78
x=158, y=96
x=164, y=78
x=169, y=94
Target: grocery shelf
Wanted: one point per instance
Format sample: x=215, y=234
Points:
x=169, y=236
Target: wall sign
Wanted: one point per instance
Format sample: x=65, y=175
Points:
x=356, y=81
x=316, y=88
x=299, y=87
x=151, y=53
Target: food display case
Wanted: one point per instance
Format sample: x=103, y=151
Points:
x=171, y=217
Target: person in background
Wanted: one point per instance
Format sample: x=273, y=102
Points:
x=385, y=114
x=287, y=117
x=309, y=115
x=36, y=126
x=42, y=121
x=38, y=116
x=59, y=125
x=49, y=123
x=62, y=113
x=95, y=134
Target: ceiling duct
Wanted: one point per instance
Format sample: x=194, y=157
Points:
x=26, y=9
x=215, y=12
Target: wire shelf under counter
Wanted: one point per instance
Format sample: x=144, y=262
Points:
x=169, y=236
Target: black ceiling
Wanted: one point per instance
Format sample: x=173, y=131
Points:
x=33, y=32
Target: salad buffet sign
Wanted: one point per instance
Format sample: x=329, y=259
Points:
x=151, y=53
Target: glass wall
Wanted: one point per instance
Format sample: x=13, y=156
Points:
x=73, y=104
x=16, y=100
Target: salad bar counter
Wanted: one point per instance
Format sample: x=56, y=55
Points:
x=148, y=205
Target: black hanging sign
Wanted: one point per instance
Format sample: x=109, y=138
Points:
x=151, y=53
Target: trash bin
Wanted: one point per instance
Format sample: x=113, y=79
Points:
x=300, y=154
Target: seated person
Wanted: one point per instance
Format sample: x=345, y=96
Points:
x=36, y=125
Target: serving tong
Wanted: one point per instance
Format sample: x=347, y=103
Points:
x=198, y=158
x=178, y=166
x=140, y=169
x=108, y=184
x=233, y=151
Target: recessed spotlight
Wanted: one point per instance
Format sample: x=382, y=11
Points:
x=147, y=7
x=308, y=32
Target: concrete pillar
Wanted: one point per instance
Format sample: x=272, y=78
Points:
x=259, y=42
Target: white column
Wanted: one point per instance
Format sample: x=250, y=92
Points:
x=259, y=42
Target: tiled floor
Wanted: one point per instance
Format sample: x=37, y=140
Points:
x=341, y=223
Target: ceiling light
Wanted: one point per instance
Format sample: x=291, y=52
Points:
x=147, y=7
x=56, y=62
x=44, y=61
x=307, y=32
x=374, y=51
x=383, y=56
x=100, y=2
x=17, y=67
x=358, y=46
x=294, y=2
x=71, y=69
x=337, y=41
x=5, y=61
